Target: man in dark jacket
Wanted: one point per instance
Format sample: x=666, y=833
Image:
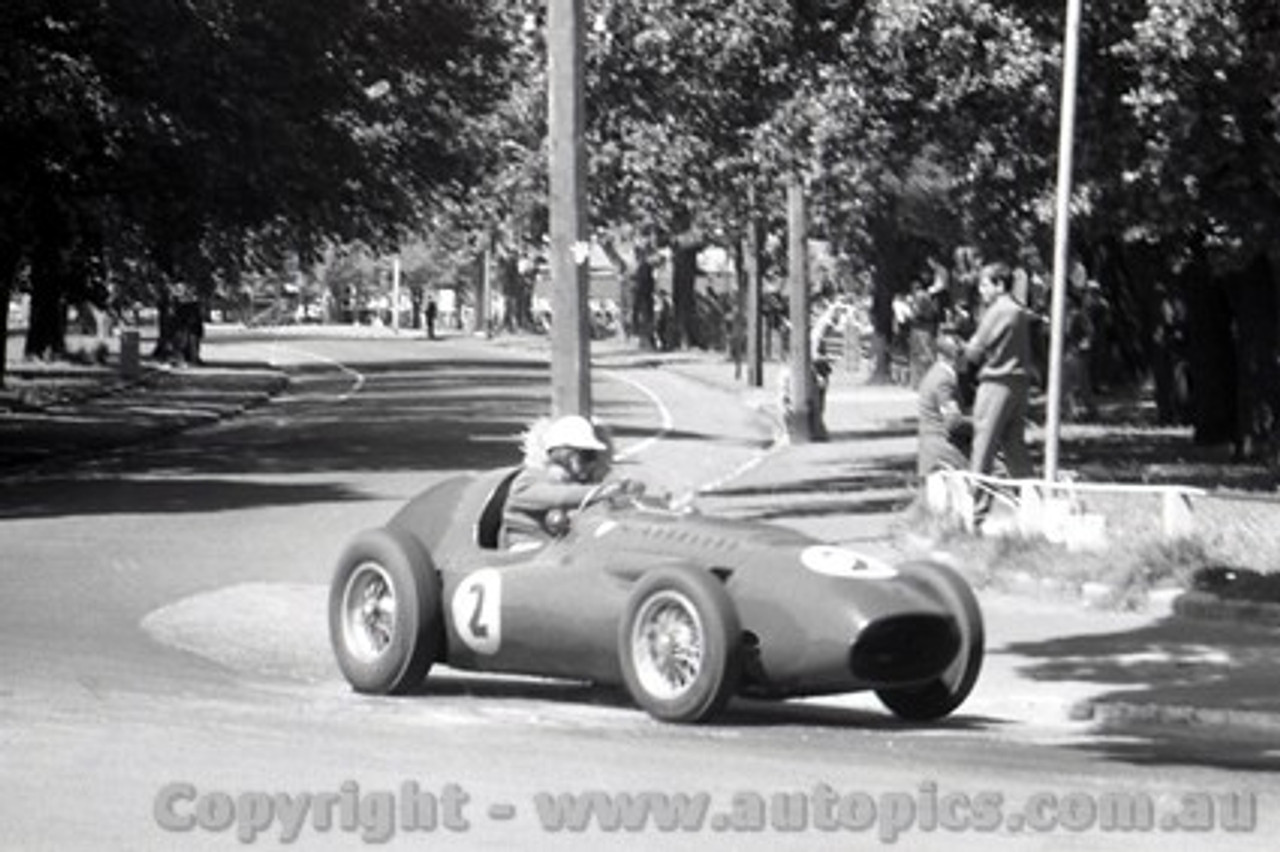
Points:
x=944, y=432
x=1001, y=345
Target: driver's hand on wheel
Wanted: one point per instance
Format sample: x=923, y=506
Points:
x=619, y=492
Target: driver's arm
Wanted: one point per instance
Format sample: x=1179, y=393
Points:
x=547, y=494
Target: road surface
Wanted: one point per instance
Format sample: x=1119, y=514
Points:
x=166, y=680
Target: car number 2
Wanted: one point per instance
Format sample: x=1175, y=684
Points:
x=477, y=611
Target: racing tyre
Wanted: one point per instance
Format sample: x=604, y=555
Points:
x=679, y=645
x=941, y=696
x=384, y=612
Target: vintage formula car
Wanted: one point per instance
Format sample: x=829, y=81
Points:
x=685, y=610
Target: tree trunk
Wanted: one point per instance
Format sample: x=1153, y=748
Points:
x=1212, y=360
x=10, y=259
x=684, y=301
x=47, y=326
x=166, y=343
x=881, y=331
x=898, y=255
x=4, y=327
x=624, y=289
x=642, y=283
x=517, y=297
x=1252, y=297
x=742, y=301
x=752, y=270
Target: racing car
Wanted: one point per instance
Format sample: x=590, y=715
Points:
x=683, y=609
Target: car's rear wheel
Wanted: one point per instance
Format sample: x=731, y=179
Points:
x=942, y=695
x=679, y=645
x=384, y=612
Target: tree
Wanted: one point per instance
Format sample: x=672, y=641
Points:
x=675, y=92
x=286, y=125
x=1177, y=169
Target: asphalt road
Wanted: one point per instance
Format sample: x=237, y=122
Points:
x=165, y=666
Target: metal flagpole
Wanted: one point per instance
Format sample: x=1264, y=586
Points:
x=1061, y=237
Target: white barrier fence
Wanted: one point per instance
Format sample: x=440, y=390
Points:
x=1054, y=510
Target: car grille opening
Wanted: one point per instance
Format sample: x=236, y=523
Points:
x=904, y=648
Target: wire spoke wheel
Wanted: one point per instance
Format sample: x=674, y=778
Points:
x=667, y=645
x=678, y=645
x=385, y=621
x=368, y=611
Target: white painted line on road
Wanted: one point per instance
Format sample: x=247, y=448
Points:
x=741, y=470
x=668, y=423
x=664, y=413
x=356, y=376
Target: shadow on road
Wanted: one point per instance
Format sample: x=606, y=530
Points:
x=741, y=712
x=767, y=714
x=881, y=432
x=49, y=498
x=878, y=477
x=102, y=455
x=823, y=486
x=1216, y=668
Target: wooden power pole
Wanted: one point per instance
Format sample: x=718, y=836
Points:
x=570, y=249
x=755, y=288
x=800, y=415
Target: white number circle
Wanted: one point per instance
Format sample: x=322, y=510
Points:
x=842, y=562
x=477, y=611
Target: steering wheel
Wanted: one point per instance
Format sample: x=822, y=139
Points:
x=598, y=493
x=608, y=490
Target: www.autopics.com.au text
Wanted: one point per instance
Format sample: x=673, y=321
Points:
x=376, y=815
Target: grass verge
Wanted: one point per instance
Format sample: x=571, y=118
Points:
x=1136, y=561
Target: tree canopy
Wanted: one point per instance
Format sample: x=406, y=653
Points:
x=175, y=140
x=183, y=139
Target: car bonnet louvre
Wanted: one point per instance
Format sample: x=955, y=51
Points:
x=691, y=538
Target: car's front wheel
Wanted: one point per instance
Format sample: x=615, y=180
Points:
x=679, y=645
x=942, y=695
x=384, y=612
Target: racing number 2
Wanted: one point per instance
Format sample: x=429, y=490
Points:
x=477, y=611
x=476, y=625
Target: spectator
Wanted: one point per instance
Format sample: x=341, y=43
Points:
x=432, y=312
x=1002, y=348
x=822, y=367
x=666, y=323
x=1077, y=387
x=925, y=315
x=945, y=434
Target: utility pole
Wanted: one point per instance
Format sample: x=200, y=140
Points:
x=480, y=312
x=801, y=418
x=755, y=282
x=395, y=293
x=570, y=249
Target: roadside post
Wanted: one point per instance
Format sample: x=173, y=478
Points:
x=130, y=358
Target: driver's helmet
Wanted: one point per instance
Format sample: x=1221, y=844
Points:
x=574, y=432
x=574, y=443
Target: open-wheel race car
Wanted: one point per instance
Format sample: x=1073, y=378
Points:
x=683, y=609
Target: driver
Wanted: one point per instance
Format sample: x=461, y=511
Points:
x=563, y=464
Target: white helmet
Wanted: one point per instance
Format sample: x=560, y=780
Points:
x=574, y=432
